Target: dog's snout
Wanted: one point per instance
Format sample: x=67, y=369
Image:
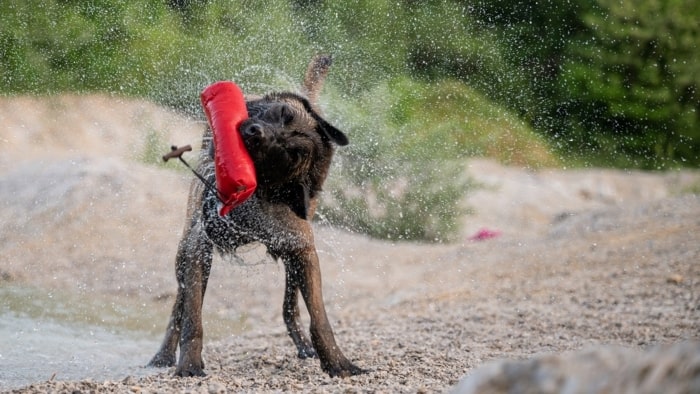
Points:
x=253, y=130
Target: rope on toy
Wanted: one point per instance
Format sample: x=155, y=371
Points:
x=177, y=152
x=225, y=108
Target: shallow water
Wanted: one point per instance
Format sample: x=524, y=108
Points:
x=48, y=334
x=34, y=350
x=68, y=336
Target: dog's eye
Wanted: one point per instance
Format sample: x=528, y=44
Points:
x=286, y=114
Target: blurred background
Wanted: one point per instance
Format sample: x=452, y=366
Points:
x=418, y=85
x=547, y=121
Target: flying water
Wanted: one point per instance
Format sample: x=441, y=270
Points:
x=419, y=89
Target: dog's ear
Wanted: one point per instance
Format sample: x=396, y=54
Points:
x=331, y=132
x=298, y=200
x=325, y=128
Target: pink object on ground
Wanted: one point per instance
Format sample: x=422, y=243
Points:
x=484, y=234
x=224, y=105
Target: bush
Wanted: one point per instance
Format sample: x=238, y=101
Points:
x=255, y=44
x=403, y=175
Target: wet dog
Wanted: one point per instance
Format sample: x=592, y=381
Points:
x=291, y=146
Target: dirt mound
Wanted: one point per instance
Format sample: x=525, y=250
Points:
x=77, y=193
x=75, y=125
x=524, y=203
x=70, y=221
x=584, y=258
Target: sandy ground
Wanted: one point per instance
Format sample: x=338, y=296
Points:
x=584, y=258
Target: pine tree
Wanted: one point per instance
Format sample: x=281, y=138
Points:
x=633, y=79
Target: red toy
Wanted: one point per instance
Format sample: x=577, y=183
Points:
x=225, y=108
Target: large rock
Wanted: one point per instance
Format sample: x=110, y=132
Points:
x=670, y=369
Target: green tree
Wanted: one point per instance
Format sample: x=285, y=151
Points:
x=631, y=82
x=531, y=38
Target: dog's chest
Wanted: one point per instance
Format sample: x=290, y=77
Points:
x=252, y=221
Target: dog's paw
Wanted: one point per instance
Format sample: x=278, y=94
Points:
x=344, y=370
x=307, y=352
x=190, y=368
x=162, y=360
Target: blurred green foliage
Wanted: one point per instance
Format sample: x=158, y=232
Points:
x=403, y=176
x=632, y=83
x=611, y=83
x=418, y=86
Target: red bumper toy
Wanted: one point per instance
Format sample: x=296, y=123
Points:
x=224, y=106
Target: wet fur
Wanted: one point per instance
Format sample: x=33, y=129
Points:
x=292, y=147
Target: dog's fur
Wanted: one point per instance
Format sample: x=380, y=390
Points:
x=291, y=146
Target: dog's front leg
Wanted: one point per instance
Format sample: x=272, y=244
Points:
x=307, y=267
x=166, y=354
x=168, y=349
x=193, y=267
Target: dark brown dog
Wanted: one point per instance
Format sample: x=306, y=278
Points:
x=291, y=146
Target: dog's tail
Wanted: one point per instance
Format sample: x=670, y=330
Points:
x=315, y=75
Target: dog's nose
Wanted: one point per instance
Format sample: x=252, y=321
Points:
x=253, y=130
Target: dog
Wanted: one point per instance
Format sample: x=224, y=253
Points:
x=291, y=146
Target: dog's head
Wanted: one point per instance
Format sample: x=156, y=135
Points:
x=291, y=146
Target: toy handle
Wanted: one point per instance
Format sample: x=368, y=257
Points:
x=176, y=152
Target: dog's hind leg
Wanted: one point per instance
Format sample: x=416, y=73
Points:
x=305, y=266
x=290, y=313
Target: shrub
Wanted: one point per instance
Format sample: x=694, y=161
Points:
x=403, y=175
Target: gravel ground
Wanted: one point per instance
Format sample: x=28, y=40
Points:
x=584, y=258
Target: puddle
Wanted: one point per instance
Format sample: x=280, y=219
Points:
x=35, y=350
x=67, y=336
x=46, y=334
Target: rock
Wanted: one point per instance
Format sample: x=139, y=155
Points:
x=216, y=387
x=606, y=369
